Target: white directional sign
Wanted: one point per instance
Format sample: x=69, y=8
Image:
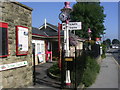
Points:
x=72, y=26
x=75, y=26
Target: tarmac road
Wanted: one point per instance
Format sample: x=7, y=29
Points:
x=115, y=54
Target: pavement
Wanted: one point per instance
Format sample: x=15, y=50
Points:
x=108, y=77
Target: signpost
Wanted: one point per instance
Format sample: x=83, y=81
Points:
x=64, y=16
x=72, y=26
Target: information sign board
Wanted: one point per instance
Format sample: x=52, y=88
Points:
x=21, y=40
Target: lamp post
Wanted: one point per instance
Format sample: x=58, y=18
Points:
x=64, y=16
x=89, y=34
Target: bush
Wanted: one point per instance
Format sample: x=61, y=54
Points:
x=55, y=69
x=103, y=48
x=103, y=56
x=104, y=51
x=91, y=70
x=86, y=70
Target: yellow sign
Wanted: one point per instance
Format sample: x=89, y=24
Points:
x=68, y=59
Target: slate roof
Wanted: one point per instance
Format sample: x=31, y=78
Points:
x=37, y=31
x=53, y=26
x=52, y=31
x=49, y=31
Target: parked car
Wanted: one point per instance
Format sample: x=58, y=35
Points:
x=115, y=47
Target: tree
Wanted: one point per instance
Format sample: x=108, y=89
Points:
x=115, y=41
x=108, y=42
x=91, y=15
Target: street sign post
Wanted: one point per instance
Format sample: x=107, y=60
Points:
x=64, y=16
x=72, y=26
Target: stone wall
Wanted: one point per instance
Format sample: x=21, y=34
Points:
x=15, y=13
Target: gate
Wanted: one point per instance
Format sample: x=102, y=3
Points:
x=75, y=68
x=33, y=54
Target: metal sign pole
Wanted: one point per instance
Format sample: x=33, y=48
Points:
x=65, y=16
x=75, y=68
x=67, y=39
x=34, y=75
x=67, y=51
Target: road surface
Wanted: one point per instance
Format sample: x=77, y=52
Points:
x=115, y=53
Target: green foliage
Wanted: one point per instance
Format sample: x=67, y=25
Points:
x=91, y=70
x=115, y=41
x=87, y=69
x=55, y=69
x=108, y=42
x=103, y=50
x=103, y=56
x=91, y=15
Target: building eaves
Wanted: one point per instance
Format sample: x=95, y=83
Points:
x=36, y=31
x=55, y=28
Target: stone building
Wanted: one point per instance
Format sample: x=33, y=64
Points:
x=15, y=69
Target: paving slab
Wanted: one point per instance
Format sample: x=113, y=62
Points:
x=108, y=76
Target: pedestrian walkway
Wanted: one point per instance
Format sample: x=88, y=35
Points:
x=108, y=76
x=43, y=81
